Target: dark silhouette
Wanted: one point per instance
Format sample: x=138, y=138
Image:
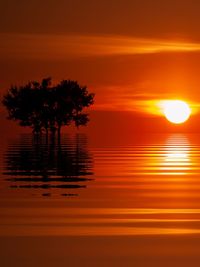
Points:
x=33, y=163
x=45, y=107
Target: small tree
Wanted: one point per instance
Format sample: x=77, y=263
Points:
x=45, y=107
x=70, y=100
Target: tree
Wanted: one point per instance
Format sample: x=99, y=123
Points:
x=45, y=107
x=70, y=100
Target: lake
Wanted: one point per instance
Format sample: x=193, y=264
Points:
x=107, y=202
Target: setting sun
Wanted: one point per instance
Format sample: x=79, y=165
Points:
x=176, y=111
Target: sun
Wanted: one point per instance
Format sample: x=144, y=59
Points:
x=176, y=111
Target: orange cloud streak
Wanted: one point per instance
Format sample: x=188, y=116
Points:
x=60, y=47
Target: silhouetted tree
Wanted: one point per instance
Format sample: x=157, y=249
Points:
x=45, y=107
x=70, y=100
x=27, y=104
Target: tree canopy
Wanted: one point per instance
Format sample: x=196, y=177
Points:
x=46, y=107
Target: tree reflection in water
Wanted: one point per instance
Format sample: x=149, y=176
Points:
x=34, y=162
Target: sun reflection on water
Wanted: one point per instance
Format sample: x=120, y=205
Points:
x=177, y=154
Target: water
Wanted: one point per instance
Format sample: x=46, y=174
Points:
x=34, y=162
x=143, y=189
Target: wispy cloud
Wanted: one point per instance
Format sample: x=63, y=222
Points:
x=58, y=47
x=147, y=103
x=138, y=98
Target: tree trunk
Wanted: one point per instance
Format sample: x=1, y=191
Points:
x=47, y=135
x=59, y=133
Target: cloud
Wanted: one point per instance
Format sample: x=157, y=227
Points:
x=62, y=47
x=138, y=95
x=137, y=101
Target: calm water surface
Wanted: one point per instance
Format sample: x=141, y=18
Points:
x=147, y=186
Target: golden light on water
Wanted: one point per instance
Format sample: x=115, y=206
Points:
x=177, y=154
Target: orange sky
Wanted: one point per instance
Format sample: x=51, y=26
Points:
x=131, y=53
